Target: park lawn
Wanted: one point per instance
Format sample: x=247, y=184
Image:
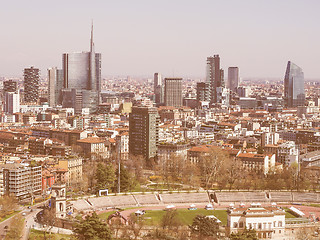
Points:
x=222, y=216
x=288, y=214
x=105, y=215
x=185, y=216
x=38, y=235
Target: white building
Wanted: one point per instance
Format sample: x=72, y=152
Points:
x=288, y=153
x=12, y=102
x=269, y=222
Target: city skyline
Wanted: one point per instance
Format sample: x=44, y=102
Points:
x=172, y=38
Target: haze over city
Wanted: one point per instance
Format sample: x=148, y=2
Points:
x=172, y=37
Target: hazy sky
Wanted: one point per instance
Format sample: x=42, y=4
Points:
x=140, y=37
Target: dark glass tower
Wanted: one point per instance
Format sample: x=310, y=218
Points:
x=294, y=94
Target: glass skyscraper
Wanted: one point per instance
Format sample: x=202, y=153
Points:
x=82, y=79
x=294, y=94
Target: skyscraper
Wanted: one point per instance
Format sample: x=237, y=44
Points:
x=233, y=78
x=11, y=102
x=9, y=86
x=144, y=131
x=173, y=92
x=213, y=76
x=294, y=94
x=158, y=89
x=31, y=85
x=55, y=86
x=82, y=76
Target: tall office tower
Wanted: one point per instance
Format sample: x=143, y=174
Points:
x=11, y=102
x=294, y=94
x=233, y=78
x=203, y=92
x=55, y=86
x=213, y=76
x=9, y=86
x=31, y=84
x=82, y=78
x=144, y=131
x=158, y=89
x=173, y=92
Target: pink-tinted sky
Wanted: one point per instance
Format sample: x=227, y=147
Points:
x=139, y=37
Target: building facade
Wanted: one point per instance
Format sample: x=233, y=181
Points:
x=55, y=86
x=233, y=78
x=11, y=102
x=23, y=181
x=158, y=89
x=173, y=92
x=268, y=222
x=213, y=76
x=82, y=79
x=31, y=84
x=294, y=93
x=10, y=86
x=144, y=132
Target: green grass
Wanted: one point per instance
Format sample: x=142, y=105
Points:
x=38, y=235
x=312, y=205
x=288, y=214
x=105, y=215
x=185, y=216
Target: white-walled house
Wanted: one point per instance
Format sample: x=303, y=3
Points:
x=269, y=222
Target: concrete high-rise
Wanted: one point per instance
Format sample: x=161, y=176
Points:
x=158, y=89
x=82, y=78
x=9, y=86
x=31, y=84
x=233, y=78
x=55, y=86
x=214, y=76
x=203, y=92
x=294, y=94
x=11, y=102
x=173, y=92
x=144, y=132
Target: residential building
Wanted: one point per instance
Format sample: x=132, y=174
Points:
x=73, y=165
x=122, y=145
x=173, y=92
x=11, y=102
x=258, y=162
x=214, y=76
x=269, y=138
x=203, y=92
x=92, y=145
x=10, y=86
x=21, y=180
x=288, y=153
x=294, y=93
x=31, y=84
x=144, y=132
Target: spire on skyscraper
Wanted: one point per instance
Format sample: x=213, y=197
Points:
x=91, y=40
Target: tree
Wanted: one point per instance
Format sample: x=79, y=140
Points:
x=211, y=166
x=126, y=180
x=247, y=234
x=105, y=176
x=16, y=227
x=92, y=228
x=48, y=219
x=8, y=204
x=203, y=226
x=170, y=219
